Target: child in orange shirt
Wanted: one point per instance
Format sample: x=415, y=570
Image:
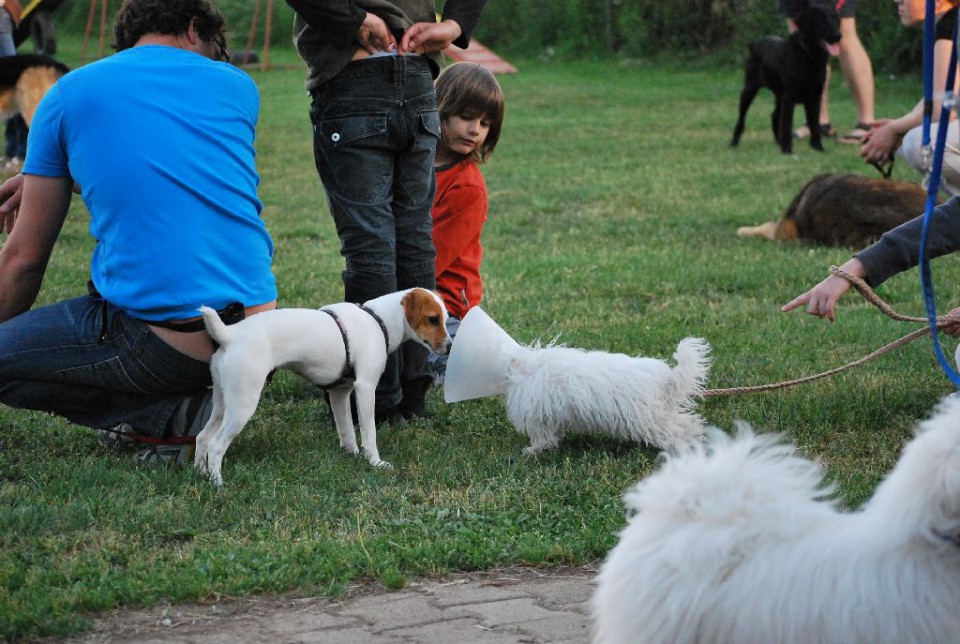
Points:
x=470, y=102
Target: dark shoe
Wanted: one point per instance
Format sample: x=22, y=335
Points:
x=120, y=435
x=414, y=402
x=827, y=131
x=390, y=416
x=856, y=134
x=188, y=420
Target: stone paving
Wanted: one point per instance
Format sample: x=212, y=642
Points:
x=522, y=605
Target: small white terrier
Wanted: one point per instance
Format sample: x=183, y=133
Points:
x=735, y=542
x=341, y=347
x=553, y=390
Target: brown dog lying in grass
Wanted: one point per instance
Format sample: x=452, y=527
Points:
x=844, y=210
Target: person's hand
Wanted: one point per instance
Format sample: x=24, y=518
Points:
x=953, y=327
x=11, y=193
x=374, y=35
x=424, y=37
x=880, y=142
x=821, y=300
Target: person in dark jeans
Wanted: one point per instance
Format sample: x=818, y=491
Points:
x=371, y=65
x=176, y=217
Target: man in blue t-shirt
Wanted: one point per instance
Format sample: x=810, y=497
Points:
x=158, y=139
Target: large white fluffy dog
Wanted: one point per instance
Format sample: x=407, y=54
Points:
x=735, y=543
x=342, y=347
x=553, y=390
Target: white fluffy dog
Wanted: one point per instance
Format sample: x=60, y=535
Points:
x=553, y=390
x=735, y=542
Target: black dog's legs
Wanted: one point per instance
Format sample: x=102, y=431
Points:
x=783, y=123
x=812, y=109
x=746, y=98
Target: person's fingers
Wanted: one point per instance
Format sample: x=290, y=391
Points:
x=410, y=38
x=795, y=302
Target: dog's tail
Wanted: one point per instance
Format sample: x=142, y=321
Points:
x=689, y=377
x=219, y=331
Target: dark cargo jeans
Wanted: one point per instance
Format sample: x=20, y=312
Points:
x=375, y=132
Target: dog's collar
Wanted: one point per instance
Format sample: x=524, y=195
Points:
x=383, y=327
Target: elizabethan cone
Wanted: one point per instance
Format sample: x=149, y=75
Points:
x=479, y=358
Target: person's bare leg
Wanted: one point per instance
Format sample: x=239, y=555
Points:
x=825, y=98
x=857, y=70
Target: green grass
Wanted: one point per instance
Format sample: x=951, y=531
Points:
x=614, y=198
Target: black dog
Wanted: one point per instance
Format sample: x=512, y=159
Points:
x=794, y=69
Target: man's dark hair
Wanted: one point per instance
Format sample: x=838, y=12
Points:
x=170, y=17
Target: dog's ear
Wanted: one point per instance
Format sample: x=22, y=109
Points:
x=413, y=303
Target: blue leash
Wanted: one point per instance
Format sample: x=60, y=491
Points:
x=933, y=187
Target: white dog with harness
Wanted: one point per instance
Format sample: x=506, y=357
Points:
x=342, y=348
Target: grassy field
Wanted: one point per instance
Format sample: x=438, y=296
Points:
x=614, y=198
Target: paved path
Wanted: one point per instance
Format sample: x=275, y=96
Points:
x=511, y=605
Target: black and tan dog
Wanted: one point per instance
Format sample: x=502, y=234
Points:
x=844, y=210
x=794, y=69
x=24, y=80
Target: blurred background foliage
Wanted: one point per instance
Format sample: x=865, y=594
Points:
x=710, y=31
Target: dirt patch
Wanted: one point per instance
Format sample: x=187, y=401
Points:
x=238, y=620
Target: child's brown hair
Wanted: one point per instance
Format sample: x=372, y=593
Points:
x=468, y=90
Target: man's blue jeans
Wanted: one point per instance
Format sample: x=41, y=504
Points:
x=376, y=129
x=89, y=362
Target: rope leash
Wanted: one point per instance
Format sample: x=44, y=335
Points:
x=871, y=297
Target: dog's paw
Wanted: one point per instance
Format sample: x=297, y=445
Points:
x=351, y=449
x=381, y=464
x=531, y=451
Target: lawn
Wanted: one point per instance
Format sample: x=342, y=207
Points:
x=614, y=197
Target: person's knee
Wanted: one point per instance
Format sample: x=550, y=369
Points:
x=912, y=151
x=849, y=40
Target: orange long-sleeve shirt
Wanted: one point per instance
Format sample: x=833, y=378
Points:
x=459, y=212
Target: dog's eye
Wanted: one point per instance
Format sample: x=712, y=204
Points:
x=434, y=320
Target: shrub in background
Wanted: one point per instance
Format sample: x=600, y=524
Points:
x=688, y=28
x=72, y=16
x=572, y=29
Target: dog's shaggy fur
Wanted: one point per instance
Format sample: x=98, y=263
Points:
x=736, y=542
x=24, y=80
x=553, y=390
x=794, y=69
x=844, y=210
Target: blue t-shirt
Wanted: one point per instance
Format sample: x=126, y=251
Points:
x=160, y=140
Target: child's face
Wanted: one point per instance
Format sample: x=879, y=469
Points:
x=465, y=133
